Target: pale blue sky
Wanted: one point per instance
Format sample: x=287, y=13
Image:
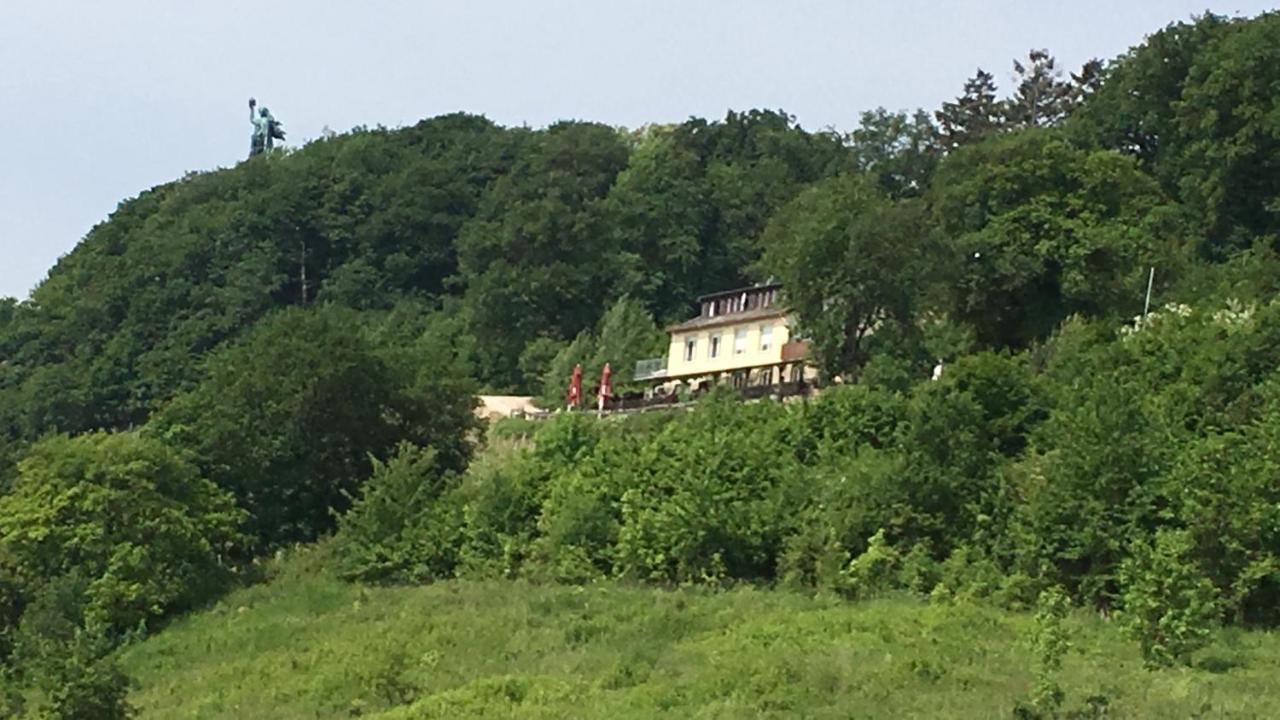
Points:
x=104, y=98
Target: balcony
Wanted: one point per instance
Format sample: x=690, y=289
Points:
x=795, y=351
x=653, y=369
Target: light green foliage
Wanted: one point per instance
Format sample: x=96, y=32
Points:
x=1170, y=607
x=702, y=504
x=1134, y=439
x=875, y=570
x=128, y=516
x=308, y=646
x=405, y=525
x=300, y=323
x=1050, y=644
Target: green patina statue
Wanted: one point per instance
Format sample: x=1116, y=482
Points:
x=266, y=129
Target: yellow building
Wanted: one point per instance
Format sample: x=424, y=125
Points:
x=743, y=335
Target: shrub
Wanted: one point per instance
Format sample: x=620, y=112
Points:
x=1169, y=605
x=406, y=525
x=1050, y=644
x=707, y=499
x=500, y=497
x=146, y=533
x=874, y=571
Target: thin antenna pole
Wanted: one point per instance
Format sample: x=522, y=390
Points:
x=1146, y=306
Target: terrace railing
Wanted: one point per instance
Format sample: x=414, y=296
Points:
x=653, y=369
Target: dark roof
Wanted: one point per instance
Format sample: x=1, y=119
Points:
x=739, y=291
x=700, y=323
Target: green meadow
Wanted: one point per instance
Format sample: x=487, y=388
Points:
x=306, y=645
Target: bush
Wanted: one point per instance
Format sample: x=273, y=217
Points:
x=874, y=571
x=125, y=513
x=1050, y=644
x=406, y=526
x=96, y=690
x=707, y=499
x=1169, y=605
x=580, y=518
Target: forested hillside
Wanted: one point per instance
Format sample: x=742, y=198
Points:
x=254, y=357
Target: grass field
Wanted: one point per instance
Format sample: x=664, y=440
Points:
x=306, y=645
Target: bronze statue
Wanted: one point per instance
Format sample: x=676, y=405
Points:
x=266, y=129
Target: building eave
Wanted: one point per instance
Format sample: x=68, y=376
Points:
x=704, y=323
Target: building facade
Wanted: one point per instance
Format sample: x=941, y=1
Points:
x=743, y=335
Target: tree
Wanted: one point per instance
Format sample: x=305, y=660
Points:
x=539, y=258
x=850, y=260
x=144, y=530
x=1130, y=111
x=901, y=151
x=1229, y=165
x=973, y=116
x=1041, y=230
x=288, y=419
x=1040, y=97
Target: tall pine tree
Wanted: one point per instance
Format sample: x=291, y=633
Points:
x=974, y=115
x=1042, y=98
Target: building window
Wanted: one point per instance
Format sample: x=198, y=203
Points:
x=766, y=376
x=739, y=341
x=714, y=349
x=690, y=349
x=766, y=337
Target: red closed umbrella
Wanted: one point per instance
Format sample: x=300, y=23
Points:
x=575, y=387
x=606, y=389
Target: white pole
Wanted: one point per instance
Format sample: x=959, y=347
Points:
x=1146, y=306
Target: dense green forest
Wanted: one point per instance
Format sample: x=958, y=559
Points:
x=287, y=350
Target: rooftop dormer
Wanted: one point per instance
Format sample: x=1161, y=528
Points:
x=730, y=302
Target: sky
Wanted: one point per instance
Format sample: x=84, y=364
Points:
x=102, y=100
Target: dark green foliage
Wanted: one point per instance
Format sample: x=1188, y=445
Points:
x=365, y=219
x=288, y=419
x=1195, y=104
x=850, y=260
x=1040, y=230
x=85, y=683
x=538, y=254
x=309, y=328
x=974, y=116
x=1231, y=160
x=901, y=151
x=1041, y=97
